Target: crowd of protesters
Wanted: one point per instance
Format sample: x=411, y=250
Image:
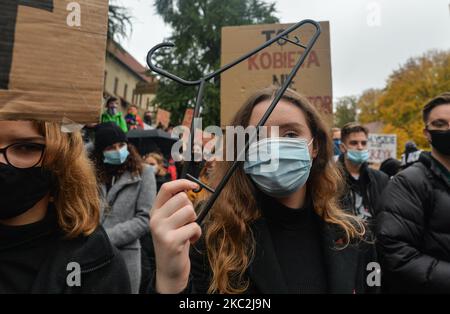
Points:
x=311, y=226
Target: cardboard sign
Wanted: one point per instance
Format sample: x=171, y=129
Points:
x=188, y=115
x=273, y=64
x=52, y=59
x=163, y=117
x=382, y=147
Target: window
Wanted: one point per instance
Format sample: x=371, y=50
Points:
x=125, y=91
x=104, y=82
x=116, y=85
x=123, y=103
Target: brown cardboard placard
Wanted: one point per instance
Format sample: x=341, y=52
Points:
x=273, y=64
x=163, y=117
x=188, y=117
x=51, y=67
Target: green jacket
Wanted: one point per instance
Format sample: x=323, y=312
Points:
x=117, y=118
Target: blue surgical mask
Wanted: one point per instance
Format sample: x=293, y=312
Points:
x=279, y=166
x=358, y=156
x=116, y=157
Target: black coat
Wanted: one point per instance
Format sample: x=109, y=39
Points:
x=414, y=230
x=346, y=268
x=102, y=268
x=373, y=183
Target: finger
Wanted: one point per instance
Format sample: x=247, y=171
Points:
x=182, y=217
x=188, y=232
x=169, y=189
x=196, y=236
x=174, y=204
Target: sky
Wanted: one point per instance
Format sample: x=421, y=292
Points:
x=369, y=38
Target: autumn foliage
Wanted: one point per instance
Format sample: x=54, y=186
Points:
x=399, y=105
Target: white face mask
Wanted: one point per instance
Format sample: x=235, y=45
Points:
x=285, y=170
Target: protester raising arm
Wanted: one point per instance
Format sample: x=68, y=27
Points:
x=173, y=229
x=267, y=219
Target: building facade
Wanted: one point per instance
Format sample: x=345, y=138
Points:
x=126, y=79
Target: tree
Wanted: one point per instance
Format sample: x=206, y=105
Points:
x=119, y=22
x=368, y=106
x=196, y=26
x=407, y=91
x=345, y=110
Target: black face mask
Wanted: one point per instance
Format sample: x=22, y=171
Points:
x=440, y=140
x=21, y=189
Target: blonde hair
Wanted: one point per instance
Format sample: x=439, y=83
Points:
x=162, y=171
x=229, y=240
x=75, y=191
x=157, y=157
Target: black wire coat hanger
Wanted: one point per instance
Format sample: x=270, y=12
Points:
x=201, y=83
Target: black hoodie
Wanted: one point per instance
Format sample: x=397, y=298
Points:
x=370, y=185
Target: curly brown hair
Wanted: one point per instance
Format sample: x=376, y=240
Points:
x=134, y=164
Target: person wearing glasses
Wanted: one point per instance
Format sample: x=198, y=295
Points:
x=50, y=238
x=364, y=184
x=413, y=228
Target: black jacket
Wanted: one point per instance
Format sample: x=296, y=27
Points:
x=372, y=183
x=102, y=268
x=346, y=268
x=414, y=230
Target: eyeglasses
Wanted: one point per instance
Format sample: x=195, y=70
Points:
x=23, y=155
x=439, y=124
